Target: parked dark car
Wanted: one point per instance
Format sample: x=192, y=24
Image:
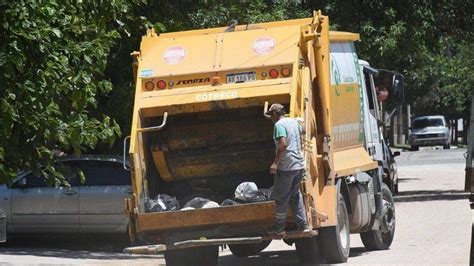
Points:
x=95, y=205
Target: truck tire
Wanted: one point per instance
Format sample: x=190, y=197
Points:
x=447, y=146
x=309, y=251
x=200, y=256
x=335, y=240
x=245, y=250
x=414, y=148
x=382, y=238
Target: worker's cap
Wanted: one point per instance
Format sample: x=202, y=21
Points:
x=277, y=108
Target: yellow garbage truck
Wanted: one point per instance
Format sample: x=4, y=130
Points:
x=199, y=129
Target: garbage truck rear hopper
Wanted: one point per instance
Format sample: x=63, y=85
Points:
x=199, y=130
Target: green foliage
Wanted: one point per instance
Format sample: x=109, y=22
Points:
x=52, y=60
x=429, y=42
x=59, y=61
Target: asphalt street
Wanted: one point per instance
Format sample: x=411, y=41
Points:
x=432, y=212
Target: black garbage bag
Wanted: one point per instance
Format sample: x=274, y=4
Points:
x=229, y=202
x=258, y=197
x=196, y=203
x=161, y=202
x=152, y=205
x=171, y=203
x=267, y=192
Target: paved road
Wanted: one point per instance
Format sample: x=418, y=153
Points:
x=433, y=226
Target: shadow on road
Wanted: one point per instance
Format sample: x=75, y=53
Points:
x=356, y=252
x=403, y=180
x=71, y=247
x=430, y=195
x=285, y=257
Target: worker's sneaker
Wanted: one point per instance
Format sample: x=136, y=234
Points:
x=303, y=228
x=276, y=230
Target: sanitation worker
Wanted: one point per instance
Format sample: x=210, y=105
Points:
x=288, y=168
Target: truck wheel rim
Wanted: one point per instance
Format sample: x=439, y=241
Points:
x=342, y=226
x=388, y=222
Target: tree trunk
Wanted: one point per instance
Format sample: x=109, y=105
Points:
x=456, y=132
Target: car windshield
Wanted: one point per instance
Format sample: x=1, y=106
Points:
x=427, y=122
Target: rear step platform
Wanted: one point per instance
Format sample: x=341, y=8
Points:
x=159, y=248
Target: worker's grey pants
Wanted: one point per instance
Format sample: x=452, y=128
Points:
x=286, y=189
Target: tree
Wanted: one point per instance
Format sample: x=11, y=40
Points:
x=52, y=60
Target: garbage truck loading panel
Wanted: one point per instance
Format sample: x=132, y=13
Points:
x=212, y=87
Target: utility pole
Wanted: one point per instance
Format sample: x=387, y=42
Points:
x=408, y=120
x=394, y=127
x=401, y=136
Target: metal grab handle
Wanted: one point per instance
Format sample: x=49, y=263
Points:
x=265, y=110
x=148, y=129
x=125, y=153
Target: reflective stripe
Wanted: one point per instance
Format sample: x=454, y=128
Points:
x=281, y=215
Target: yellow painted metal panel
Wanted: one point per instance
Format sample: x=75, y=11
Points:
x=346, y=115
x=208, y=95
x=161, y=165
x=351, y=160
x=341, y=36
x=178, y=56
x=274, y=46
x=262, y=213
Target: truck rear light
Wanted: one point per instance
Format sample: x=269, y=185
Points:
x=149, y=85
x=171, y=83
x=285, y=72
x=274, y=73
x=161, y=84
x=264, y=74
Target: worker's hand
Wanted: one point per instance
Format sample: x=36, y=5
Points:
x=273, y=168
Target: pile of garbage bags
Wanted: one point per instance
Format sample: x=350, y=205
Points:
x=200, y=203
x=161, y=202
x=246, y=192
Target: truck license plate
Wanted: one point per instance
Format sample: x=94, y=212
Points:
x=241, y=77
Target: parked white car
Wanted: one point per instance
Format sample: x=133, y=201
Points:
x=97, y=205
x=430, y=130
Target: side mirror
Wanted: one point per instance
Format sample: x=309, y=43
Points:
x=398, y=88
x=395, y=154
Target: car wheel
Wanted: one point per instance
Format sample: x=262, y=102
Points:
x=447, y=146
x=414, y=148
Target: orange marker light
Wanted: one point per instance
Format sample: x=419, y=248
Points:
x=149, y=85
x=285, y=72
